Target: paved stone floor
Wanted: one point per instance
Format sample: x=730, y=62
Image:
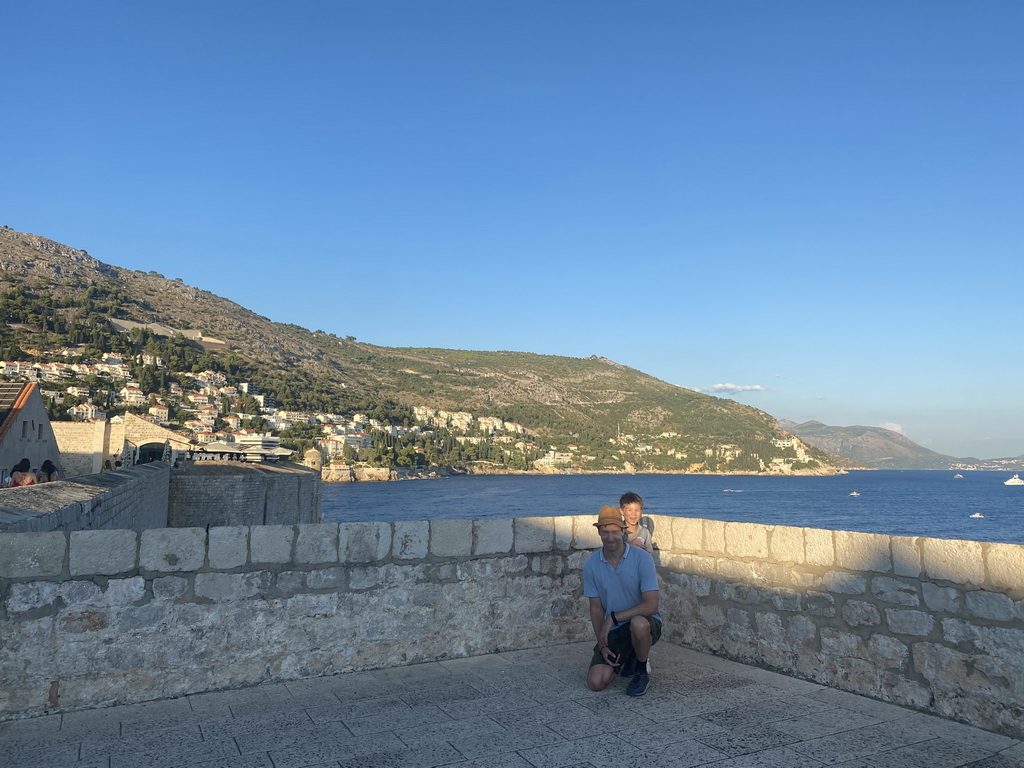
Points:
x=526, y=709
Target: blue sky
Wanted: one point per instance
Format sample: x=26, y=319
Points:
x=812, y=207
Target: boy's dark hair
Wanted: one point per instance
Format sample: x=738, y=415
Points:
x=630, y=498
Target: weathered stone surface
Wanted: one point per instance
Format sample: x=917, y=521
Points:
x=563, y=532
x=229, y=547
x=494, y=537
x=858, y=613
x=909, y=622
x=953, y=560
x=1005, y=564
x=857, y=551
x=714, y=537
x=941, y=599
x=318, y=544
x=32, y=555
x=534, y=534
x=411, y=540
x=990, y=605
x=451, y=538
x=231, y=586
x=842, y=583
x=745, y=540
x=894, y=591
x=687, y=534
x=103, y=552
x=271, y=543
x=172, y=550
x=906, y=556
x=787, y=544
x=368, y=542
x=819, y=548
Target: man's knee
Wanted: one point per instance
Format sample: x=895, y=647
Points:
x=639, y=627
x=599, y=676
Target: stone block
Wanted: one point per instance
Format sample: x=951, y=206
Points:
x=906, y=555
x=858, y=613
x=585, y=535
x=787, y=544
x=221, y=587
x=820, y=604
x=32, y=555
x=563, y=532
x=327, y=578
x=714, y=537
x=79, y=593
x=103, y=553
x=451, y=538
x=173, y=549
x=1005, y=564
x=317, y=543
x=857, y=551
x=411, y=540
x=941, y=599
x=894, y=591
x=819, y=547
x=990, y=605
x=271, y=544
x=961, y=562
x=364, y=542
x=533, y=534
x=228, y=547
x=169, y=587
x=905, y=622
x=31, y=596
x=120, y=592
x=842, y=583
x=496, y=537
x=687, y=534
x=747, y=540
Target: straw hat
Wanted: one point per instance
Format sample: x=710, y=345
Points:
x=609, y=516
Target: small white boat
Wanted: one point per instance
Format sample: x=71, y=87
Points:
x=855, y=494
x=1015, y=480
x=958, y=476
x=977, y=514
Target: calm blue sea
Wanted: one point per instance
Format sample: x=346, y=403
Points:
x=897, y=502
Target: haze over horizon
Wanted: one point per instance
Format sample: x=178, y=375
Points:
x=811, y=208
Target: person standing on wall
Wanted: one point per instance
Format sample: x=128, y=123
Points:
x=621, y=584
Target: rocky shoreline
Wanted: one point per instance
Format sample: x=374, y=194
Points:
x=386, y=474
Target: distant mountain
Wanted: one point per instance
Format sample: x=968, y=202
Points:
x=608, y=415
x=871, y=446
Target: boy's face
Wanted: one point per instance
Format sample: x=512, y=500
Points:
x=632, y=512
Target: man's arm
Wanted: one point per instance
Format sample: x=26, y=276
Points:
x=648, y=606
x=601, y=627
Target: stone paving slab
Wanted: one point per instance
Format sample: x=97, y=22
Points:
x=523, y=709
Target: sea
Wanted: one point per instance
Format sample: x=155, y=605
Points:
x=934, y=504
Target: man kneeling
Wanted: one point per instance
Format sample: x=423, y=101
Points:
x=622, y=586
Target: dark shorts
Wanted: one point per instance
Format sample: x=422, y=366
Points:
x=621, y=642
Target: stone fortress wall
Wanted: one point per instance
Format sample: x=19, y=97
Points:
x=93, y=618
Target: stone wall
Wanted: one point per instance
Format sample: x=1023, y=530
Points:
x=220, y=493
x=134, y=498
x=101, y=617
x=933, y=624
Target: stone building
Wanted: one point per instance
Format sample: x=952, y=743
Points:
x=25, y=430
x=86, y=445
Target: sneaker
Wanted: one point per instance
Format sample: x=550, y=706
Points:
x=639, y=684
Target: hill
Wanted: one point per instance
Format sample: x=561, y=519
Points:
x=609, y=415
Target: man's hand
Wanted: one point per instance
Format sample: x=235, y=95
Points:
x=610, y=658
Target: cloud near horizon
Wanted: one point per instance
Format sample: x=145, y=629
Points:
x=892, y=427
x=731, y=389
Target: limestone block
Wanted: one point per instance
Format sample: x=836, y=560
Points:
x=961, y=562
x=687, y=534
x=990, y=605
x=841, y=645
x=327, y=578
x=495, y=537
x=169, y=587
x=317, y=543
x=905, y=622
x=712, y=616
x=103, y=553
x=563, y=532
x=231, y=586
x=746, y=540
x=120, y=592
x=451, y=538
x=365, y=542
x=31, y=596
x=906, y=555
x=887, y=652
x=858, y=613
x=842, y=583
x=1001, y=642
x=585, y=535
x=788, y=600
x=1006, y=566
x=228, y=547
x=714, y=537
x=857, y=551
x=80, y=593
x=173, y=549
x=787, y=544
x=802, y=632
x=411, y=540
x=533, y=534
x=820, y=604
x=736, y=570
x=291, y=582
x=894, y=591
x=271, y=543
x=32, y=555
x=366, y=577
x=770, y=627
x=819, y=548
x=941, y=599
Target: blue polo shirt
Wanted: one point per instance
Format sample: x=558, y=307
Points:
x=620, y=588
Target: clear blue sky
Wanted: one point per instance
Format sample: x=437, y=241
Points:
x=813, y=207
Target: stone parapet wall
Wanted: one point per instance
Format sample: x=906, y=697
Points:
x=95, y=618
x=134, y=498
x=231, y=493
x=933, y=624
